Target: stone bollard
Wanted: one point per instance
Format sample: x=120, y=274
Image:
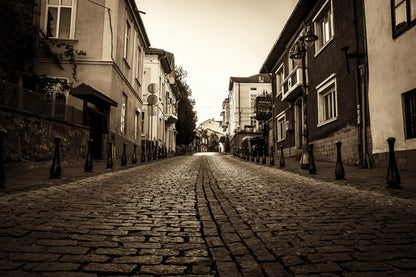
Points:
x=88, y=162
x=2, y=174
x=272, y=155
x=282, y=158
x=339, y=168
x=312, y=167
x=134, y=158
x=109, y=164
x=263, y=154
x=124, y=155
x=393, y=177
x=55, y=171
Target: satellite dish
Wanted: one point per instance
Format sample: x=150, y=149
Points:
x=152, y=88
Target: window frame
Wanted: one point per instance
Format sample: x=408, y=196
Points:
x=280, y=73
x=281, y=132
x=138, y=64
x=409, y=115
x=72, y=19
x=123, y=115
x=326, y=8
x=409, y=23
x=127, y=39
x=328, y=86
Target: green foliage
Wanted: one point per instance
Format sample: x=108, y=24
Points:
x=186, y=115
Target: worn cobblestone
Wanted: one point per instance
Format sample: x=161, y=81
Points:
x=206, y=215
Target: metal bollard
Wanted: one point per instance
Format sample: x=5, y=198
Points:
x=393, y=177
x=257, y=154
x=339, y=168
x=109, y=164
x=312, y=167
x=263, y=154
x=124, y=155
x=143, y=154
x=272, y=155
x=55, y=171
x=282, y=158
x=88, y=162
x=134, y=158
x=2, y=174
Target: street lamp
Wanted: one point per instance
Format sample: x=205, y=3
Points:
x=298, y=52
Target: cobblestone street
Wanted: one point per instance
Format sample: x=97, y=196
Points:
x=206, y=215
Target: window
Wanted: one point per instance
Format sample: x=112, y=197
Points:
x=253, y=121
x=123, y=118
x=281, y=127
x=136, y=124
x=253, y=98
x=327, y=101
x=138, y=63
x=127, y=40
x=409, y=101
x=280, y=76
x=142, y=123
x=403, y=15
x=324, y=25
x=60, y=21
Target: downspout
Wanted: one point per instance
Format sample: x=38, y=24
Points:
x=360, y=124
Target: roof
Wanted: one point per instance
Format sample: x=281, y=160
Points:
x=143, y=32
x=86, y=92
x=297, y=17
x=251, y=79
x=167, y=59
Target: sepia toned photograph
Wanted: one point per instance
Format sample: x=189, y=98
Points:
x=220, y=138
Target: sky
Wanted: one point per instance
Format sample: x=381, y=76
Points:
x=214, y=40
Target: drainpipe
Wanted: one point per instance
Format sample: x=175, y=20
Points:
x=358, y=93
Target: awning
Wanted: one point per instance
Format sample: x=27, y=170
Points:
x=85, y=92
x=170, y=119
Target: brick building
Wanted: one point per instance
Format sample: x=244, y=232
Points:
x=335, y=93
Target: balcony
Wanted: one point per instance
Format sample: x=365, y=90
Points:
x=292, y=85
x=170, y=118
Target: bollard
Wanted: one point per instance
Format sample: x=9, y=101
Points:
x=252, y=153
x=393, y=176
x=143, y=154
x=257, y=154
x=339, y=168
x=109, y=164
x=312, y=167
x=134, y=158
x=88, y=162
x=55, y=171
x=124, y=155
x=282, y=158
x=149, y=152
x=2, y=174
x=272, y=155
x=263, y=154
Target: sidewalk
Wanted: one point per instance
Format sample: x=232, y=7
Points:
x=363, y=179
x=19, y=178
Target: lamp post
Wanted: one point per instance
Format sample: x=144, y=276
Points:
x=298, y=52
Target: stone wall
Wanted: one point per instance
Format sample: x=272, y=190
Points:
x=30, y=139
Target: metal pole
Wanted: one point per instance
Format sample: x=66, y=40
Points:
x=304, y=161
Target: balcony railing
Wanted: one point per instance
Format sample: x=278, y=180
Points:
x=292, y=85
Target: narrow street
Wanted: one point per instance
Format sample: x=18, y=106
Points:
x=206, y=215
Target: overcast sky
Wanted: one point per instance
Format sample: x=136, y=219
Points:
x=214, y=40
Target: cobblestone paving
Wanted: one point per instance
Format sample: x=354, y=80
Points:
x=205, y=215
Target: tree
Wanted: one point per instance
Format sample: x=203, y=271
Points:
x=186, y=115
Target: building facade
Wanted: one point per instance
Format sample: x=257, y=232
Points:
x=391, y=34
x=321, y=97
x=242, y=95
x=160, y=115
x=108, y=82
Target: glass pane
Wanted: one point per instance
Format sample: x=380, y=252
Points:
x=53, y=2
x=400, y=13
x=412, y=9
x=65, y=23
x=66, y=2
x=52, y=21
